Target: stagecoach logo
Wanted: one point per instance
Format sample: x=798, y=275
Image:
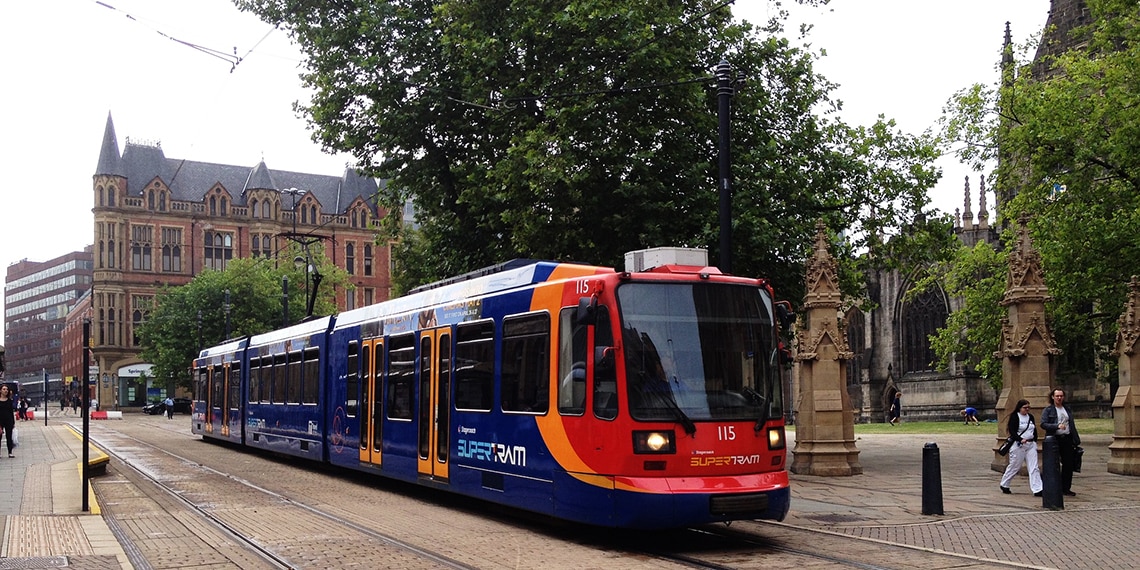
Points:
x=466, y=430
x=493, y=452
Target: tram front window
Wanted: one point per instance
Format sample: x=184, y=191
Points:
x=697, y=352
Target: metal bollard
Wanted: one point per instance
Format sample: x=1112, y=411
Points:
x=1051, y=496
x=931, y=480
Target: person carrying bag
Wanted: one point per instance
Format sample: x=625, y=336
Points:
x=1023, y=449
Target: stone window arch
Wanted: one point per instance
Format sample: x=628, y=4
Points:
x=920, y=318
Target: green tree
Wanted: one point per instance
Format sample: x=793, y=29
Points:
x=188, y=318
x=977, y=275
x=1068, y=141
x=582, y=129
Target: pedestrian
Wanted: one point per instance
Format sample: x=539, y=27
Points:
x=1057, y=420
x=169, y=408
x=23, y=410
x=896, y=408
x=76, y=402
x=971, y=415
x=1024, y=430
x=63, y=405
x=8, y=416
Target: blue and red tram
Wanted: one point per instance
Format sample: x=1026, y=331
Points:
x=644, y=399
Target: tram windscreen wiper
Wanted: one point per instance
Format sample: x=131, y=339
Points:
x=682, y=417
x=659, y=392
x=758, y=399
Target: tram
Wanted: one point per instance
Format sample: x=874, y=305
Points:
x=634, y=399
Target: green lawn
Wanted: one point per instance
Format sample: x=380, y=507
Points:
x=1085, y=426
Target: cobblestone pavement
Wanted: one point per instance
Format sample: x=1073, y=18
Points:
x=44, y=526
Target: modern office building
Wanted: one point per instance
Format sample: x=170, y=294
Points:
x=38, y=295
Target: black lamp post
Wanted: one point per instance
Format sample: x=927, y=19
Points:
x=726, y=85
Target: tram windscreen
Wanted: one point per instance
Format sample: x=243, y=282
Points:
x=699, y=351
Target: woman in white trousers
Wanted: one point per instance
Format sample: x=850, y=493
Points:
x=1024, y=450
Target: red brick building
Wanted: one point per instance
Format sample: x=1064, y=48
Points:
x=160, y=221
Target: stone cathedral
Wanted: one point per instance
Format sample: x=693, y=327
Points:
x=889, y=347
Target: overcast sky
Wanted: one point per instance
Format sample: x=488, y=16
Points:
x=67, y=63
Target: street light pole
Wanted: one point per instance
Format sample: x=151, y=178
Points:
x=294, y=238
x=726, y=87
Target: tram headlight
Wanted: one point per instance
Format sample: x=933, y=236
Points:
x=654, y=442
x=776, y=439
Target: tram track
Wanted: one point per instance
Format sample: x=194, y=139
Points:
x=260, y=541
x=308, y=516
x=724, y=548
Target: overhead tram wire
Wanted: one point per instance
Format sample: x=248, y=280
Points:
x=233, y=59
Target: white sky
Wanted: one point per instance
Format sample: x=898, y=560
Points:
x=66, y=63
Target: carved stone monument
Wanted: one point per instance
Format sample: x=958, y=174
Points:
x=1027, y=346
x=825, y=422
x=1125, y=447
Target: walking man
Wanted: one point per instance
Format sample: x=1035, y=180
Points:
x=1057, y=420
x=169, y=408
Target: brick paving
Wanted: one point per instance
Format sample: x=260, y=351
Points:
x=1098, y=528
x=44, y=526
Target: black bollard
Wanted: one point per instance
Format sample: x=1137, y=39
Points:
x=1051, y=496
x=931, y=480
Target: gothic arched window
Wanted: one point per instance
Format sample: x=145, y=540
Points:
x=919, y=319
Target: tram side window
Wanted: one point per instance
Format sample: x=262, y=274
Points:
x=605, y=372
x=293, y=379
x=217, y=381
x=352, y=379
x=254, y=379
x=571, y=363
x=310, y=387
x=526, y=364
x=277, y=396
x=377, y=378
x=264, y=380
x=401, y=376
x=200, y=390
x=474, y=365
x=235, y=385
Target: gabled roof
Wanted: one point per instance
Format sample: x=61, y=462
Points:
x=190, y=180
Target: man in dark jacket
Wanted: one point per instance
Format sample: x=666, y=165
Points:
x=1057, y=421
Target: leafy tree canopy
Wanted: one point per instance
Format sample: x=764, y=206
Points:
x=583, y=129
x=188, y=318
x=1068, y=142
